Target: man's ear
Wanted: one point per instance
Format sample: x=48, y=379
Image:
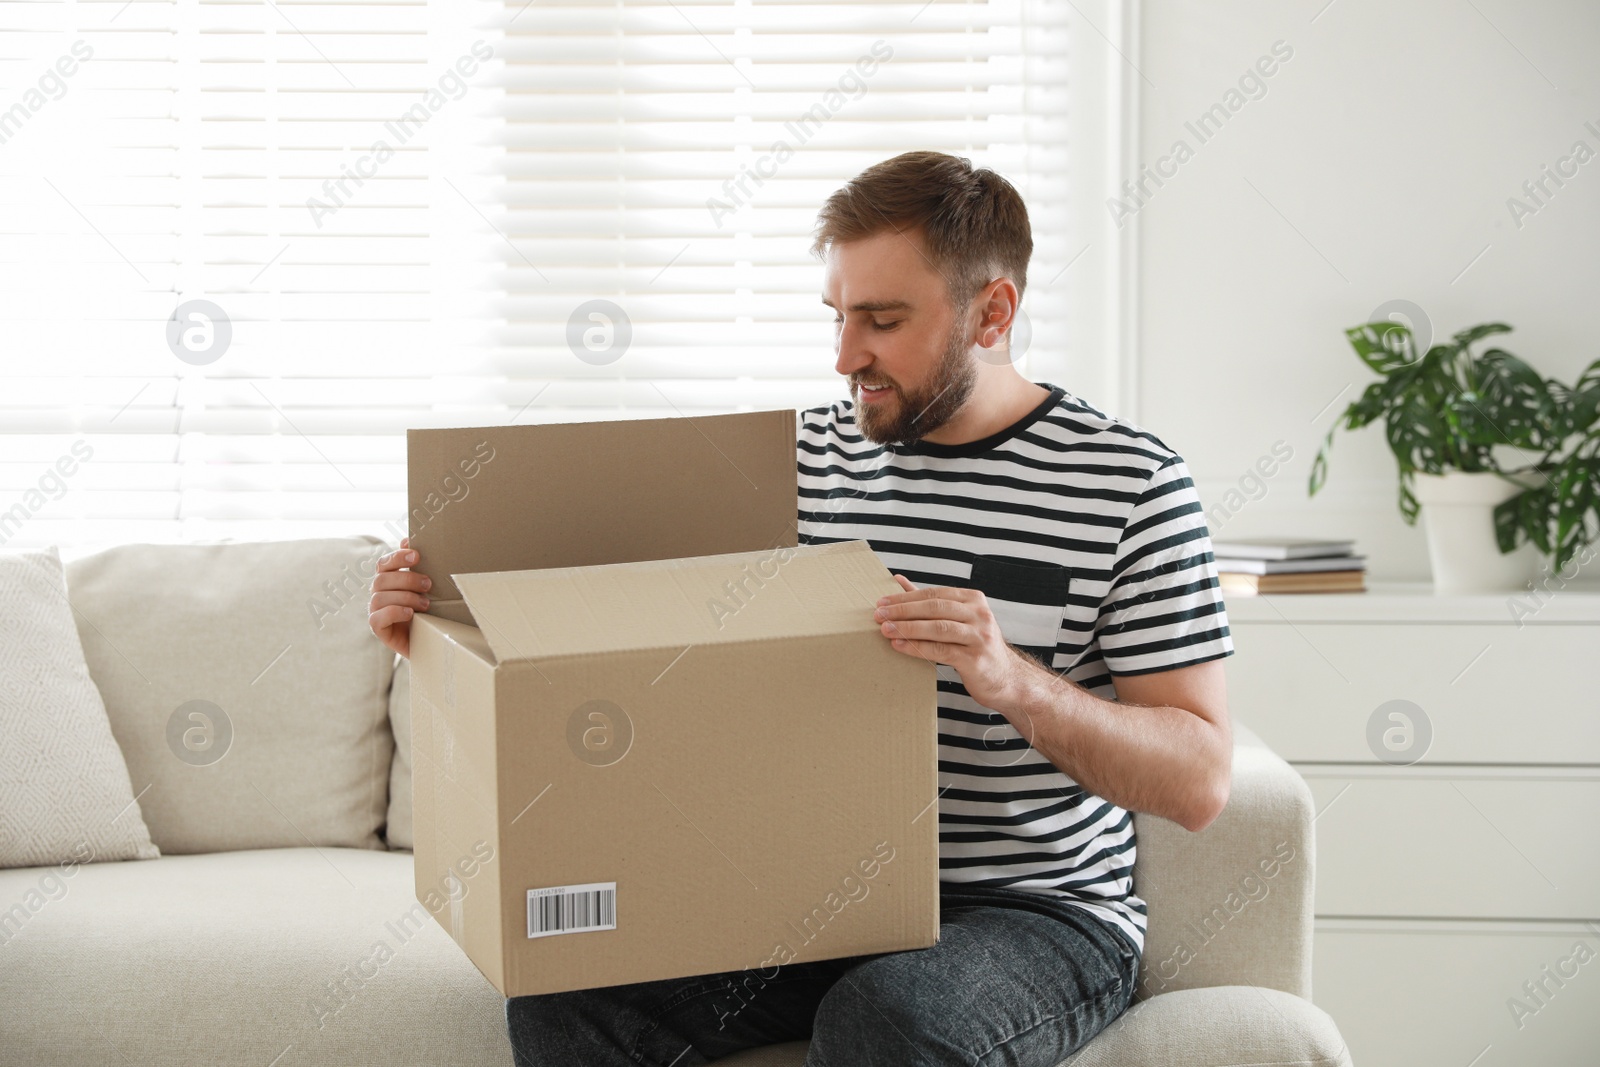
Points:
x=997, y=311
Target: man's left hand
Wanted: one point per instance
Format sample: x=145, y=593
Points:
x=954, y=626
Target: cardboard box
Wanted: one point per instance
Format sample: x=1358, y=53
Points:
x=652, y=736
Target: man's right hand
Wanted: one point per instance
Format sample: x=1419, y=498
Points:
x=397, y=594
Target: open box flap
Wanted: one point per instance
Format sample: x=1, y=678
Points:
x=508, y=498
x=673, y=603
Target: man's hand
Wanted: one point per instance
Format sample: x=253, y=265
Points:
x=954, y=626
x=1165, y=746
x=397, y=595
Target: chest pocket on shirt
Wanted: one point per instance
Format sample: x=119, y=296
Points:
x=1028, y=599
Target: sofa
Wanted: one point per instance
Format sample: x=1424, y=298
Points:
x=280, y=925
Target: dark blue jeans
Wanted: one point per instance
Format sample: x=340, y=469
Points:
x=1015, y=980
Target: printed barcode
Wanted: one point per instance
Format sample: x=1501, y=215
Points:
x=571, y=909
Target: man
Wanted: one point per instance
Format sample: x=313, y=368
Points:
x=1056, y=565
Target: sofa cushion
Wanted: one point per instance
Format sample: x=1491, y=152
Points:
x=324, y=954
x=244, y=687
x=398, y=831
x=243, y=959
x=1218, y=1026
x=1222, y=1026
x=65, y=797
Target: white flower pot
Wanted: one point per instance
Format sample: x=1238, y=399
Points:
x=1458, y=513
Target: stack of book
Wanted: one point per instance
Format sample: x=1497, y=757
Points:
x=1248, y=566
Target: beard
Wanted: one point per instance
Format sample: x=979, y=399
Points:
x=913, y=414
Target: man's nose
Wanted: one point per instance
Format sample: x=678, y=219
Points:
x=850, y=355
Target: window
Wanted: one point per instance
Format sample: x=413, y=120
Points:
x=401, y=215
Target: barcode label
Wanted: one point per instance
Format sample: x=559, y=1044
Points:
x=572, y=909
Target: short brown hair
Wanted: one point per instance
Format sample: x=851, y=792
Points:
x=973, y=221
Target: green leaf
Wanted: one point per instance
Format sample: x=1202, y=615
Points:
x=1477, y=333
x=1383, y=346
x=1584, y=505
x=1523, y=519
x=1372, y=405
x=1408, y=502
x=1513, y=403
x=1319, y=466
x=1533, y=515
x=1508, y=530
x=1575, y=499
x=1417, y=433
x=1435, y=377
x=1589, y=377
x=1460, y=416
x=1580, y=405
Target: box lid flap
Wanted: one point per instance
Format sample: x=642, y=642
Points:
x=501, y=498
x=672, y=603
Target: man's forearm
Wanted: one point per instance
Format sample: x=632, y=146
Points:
x=1163, y=760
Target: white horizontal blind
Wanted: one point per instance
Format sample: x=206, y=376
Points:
x=270, y=158
x=670, y=158
x=230, y=152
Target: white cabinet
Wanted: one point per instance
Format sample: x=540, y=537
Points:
x=1439, y=994
x=1458, y=894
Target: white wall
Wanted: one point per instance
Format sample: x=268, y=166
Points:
x=1391, y=140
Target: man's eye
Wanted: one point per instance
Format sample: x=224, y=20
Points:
x=838, y=320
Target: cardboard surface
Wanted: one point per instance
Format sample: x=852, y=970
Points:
x=572, y=494
x=680, y=764
x=672, y=603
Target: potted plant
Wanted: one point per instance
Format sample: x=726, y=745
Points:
x=1494, y=455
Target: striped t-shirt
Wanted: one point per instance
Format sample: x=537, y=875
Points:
x=1086, y=536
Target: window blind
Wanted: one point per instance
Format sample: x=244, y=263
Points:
x=429, y=213
x=670, y=158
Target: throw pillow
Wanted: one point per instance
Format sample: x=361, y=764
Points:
x=65, y=796
x=244, y=687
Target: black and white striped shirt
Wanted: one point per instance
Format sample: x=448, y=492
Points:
x=1086, y=536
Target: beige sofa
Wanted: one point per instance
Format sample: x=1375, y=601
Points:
x=280, y=926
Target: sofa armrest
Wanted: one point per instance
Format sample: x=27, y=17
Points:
x=1232, y=904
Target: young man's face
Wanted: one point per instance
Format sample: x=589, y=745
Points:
x=894, y=327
